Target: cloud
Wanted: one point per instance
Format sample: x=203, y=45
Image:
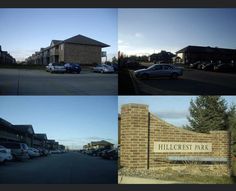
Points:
x=138, y=35
x=120, y=41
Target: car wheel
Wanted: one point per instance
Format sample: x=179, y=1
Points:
x=174, y=75
x=102, y=71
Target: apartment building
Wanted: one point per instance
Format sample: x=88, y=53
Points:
x=77, y=49
x=191, y=54
x=6, y=58
x=25, y=134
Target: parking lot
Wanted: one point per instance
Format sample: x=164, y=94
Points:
x=193, y=82
x=40, y=82
x=67, y=168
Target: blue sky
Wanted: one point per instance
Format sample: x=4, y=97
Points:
x=24, y=31
x=145, y=31
x=173, y=109
x=71, y=120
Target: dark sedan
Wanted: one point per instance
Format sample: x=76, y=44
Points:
x=72, y=68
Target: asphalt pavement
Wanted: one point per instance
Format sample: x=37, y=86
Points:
x=40, y=82
x=67, y=168
x=193, y=82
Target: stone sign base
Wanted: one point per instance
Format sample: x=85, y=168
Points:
x=180, y=170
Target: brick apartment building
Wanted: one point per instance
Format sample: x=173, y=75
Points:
x=98, y=145
x=25, y=134
x=6, y=58
x=191, y=54
x=77, y=49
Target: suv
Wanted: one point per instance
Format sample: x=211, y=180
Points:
x=19, y=151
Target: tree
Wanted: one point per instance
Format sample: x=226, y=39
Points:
x=162, y=56
x=232, y=122
x=208, y=113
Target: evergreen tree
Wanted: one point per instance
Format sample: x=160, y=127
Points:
x=208, y=113
x=232, y=122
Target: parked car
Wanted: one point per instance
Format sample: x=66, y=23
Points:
x=208, y=67
x=19, y=151
x=43, y=151
x=159, y=70
x=72, y=68
x=195, y=64
x=103, y=68
x=55, y=67
x=103, y=152
x=56, y=151
x=224, y=68
x=32, y=152
x=111, y=154
x=97, y=152
x=5, y=154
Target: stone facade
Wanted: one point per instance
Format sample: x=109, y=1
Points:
x=140, y=129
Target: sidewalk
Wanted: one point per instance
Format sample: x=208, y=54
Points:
x=136, y=180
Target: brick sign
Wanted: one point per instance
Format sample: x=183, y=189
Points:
x=148, y=142
x=168, y=147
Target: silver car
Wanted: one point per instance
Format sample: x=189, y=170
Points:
x=103, y=68
x=55, y=67
x=159, y=70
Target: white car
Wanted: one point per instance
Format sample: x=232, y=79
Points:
x=55, y=67
x=103, y=68
x=5, y=154
x=32, y=152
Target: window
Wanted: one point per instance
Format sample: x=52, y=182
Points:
x=167, y=67
x=157, y=67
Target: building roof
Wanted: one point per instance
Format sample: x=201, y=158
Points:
x=5, y=123
x=24, y=128
x=80, y=39
x=55, y=42
x=93, y=143
x=207, y=49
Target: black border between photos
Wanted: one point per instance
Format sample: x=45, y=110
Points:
x=117, y=3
